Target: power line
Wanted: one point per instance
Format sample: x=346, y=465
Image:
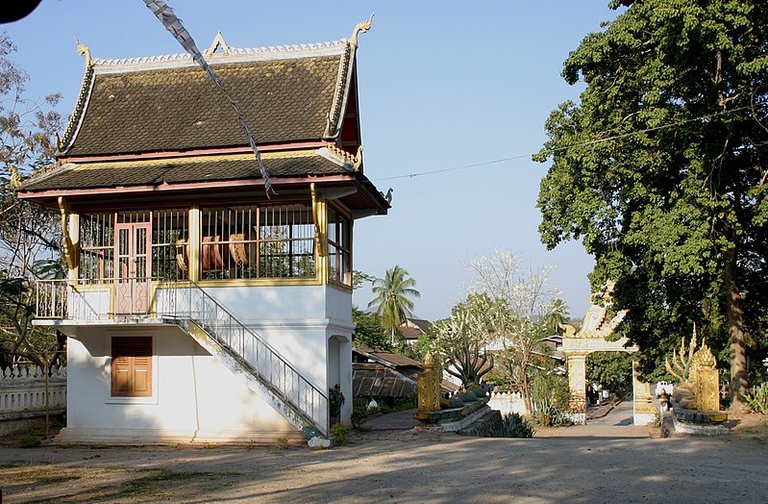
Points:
x=565, y=147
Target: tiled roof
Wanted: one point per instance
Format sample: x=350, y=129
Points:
x=181, y=170
x=378, y=380
x=161, y=104
x=390, y=359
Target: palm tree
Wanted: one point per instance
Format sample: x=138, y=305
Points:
x=556, y=316
x=392, y=301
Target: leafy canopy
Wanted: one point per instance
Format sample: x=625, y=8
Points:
x=660, y=170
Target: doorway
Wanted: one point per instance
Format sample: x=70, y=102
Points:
x=133, y=243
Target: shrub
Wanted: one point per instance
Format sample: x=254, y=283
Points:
x=517, y=426
x=359, y=412
x=758, y=398
x=400, y=404
x=30, y=441
x=550, y=394
x=339, y=432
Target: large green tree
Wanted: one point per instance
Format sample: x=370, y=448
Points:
x=660, y=171
x=393, y=301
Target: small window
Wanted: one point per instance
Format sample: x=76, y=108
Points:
x=132, y=366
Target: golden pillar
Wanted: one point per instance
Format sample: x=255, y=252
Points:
x=577, y=383
x=429, y=385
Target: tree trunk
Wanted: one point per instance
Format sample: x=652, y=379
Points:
x=736, y=337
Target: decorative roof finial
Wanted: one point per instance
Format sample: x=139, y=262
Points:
x=83, y=50
x=361, y=27
x=218, y=44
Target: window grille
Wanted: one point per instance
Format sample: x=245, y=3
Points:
x=170, y=243
x=267, y=241
x=96, y=247
x=339, y=248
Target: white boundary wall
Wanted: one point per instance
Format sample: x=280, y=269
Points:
x=22, y=392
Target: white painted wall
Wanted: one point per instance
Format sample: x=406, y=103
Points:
x=195, y=397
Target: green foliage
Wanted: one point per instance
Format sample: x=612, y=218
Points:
x=612, y=370
x=757, y=399
x=30, y=441
x=340, y=432
x=557, y=315
x=369, y=330
x=359, y=278
x=393, y=298
x=359, y=412
x=399, y=404
x=335, y=400
x=659, y=170
x=550, y=396
x=462, y=337
x=516, y=426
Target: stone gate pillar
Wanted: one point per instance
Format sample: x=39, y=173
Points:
x=643, y=410
x=577, y=382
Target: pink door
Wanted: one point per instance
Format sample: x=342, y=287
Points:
x=133, y=243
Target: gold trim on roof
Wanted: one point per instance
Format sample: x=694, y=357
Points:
x=137, y=163
x=348, y=159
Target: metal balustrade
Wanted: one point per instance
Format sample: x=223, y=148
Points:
x=180, y=304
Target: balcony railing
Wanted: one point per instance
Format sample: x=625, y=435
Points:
x=180, y=303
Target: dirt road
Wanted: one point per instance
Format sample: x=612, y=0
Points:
x=399, y=466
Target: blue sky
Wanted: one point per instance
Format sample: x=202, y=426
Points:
x=443, y=84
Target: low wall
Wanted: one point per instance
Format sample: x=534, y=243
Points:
x=22, y=392
x=508, y=402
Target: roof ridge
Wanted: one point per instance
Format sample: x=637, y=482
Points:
x=235, y=53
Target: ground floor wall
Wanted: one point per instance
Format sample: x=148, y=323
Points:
x=194, y=397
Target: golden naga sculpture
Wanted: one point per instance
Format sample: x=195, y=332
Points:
x=15, y=180
x=699, y=386
x=596, y=323
x=69, y=247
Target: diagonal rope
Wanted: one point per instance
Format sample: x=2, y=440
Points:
x=173, y=24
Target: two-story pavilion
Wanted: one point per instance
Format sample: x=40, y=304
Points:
x=196, y=307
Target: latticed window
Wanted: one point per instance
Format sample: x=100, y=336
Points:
x=170, y=244
x=97, y=247
x=339, y=248
x=99, y=242
x=266, y=241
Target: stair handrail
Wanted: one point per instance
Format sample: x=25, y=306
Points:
x=210, y=327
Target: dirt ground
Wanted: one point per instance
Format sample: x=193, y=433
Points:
x=579, y=465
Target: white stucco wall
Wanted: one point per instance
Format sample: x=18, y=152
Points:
x=297, y=321
x=194, y=396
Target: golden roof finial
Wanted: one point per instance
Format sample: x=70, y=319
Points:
x=83, y=50
x=361, y=27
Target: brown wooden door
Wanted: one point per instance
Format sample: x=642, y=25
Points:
x=133, y=245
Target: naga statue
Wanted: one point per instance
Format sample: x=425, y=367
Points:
x=596, y=323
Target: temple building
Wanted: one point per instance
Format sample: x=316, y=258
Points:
x=198, y=307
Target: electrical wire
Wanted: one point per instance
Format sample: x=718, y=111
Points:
x=563, y=148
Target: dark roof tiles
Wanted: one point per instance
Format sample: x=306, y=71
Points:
x=181, y=170
x=181, y=108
